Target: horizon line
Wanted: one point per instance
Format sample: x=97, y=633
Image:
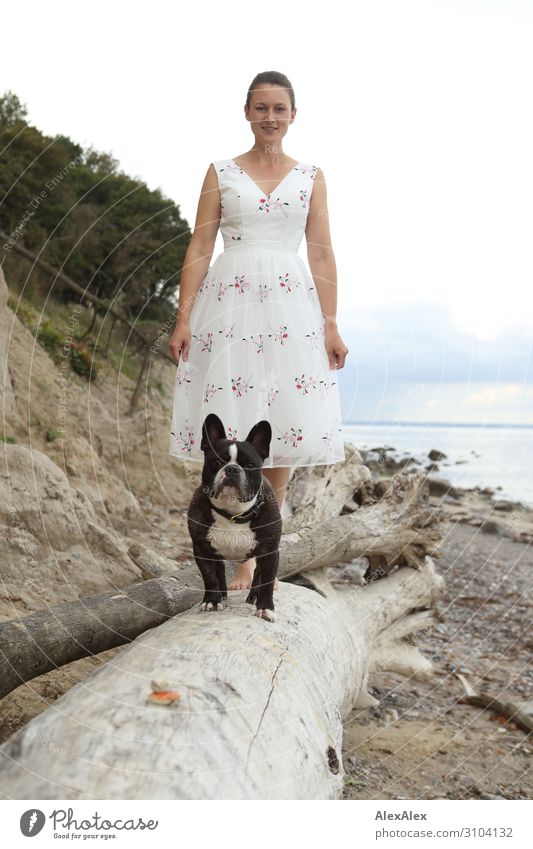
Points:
x=403, y=422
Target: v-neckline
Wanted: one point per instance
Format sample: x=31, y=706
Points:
x=259, y=187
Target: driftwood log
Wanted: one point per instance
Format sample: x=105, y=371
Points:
x=262, y=704
x=397, y=529
x=50, y=638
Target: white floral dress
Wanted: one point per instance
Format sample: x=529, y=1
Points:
x=257, y=348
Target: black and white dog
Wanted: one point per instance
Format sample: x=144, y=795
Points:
x=234, y=515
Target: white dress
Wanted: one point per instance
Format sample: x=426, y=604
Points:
x=257, y=348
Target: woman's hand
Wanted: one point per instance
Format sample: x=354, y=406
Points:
x=335, y=347
x=180, y=341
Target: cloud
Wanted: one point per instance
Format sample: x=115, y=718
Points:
x=411, y=362
x=421, y=342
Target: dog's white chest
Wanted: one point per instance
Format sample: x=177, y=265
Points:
x=233, y=541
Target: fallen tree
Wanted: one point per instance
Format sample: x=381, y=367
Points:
x=50, y=638
x=262, y=705
x=398, y=529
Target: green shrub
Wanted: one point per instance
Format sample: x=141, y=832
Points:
x=82, y=361
x=51, y=340
x=8, y=439
x=25, y=313
x=52, y=435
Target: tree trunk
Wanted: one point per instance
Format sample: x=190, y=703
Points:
x=50, y=638
x=136, y=392
x=262, y=704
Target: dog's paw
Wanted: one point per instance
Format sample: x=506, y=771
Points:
x=269, y=615
x=208, y=605
x=251, y=598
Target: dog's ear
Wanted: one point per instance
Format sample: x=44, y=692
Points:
x=212, y=432
x=260, y=436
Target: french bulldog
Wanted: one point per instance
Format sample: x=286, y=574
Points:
x=234, y=515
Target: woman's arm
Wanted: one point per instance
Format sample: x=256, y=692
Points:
x=201, y=246
x=319, y=250
x=196, y=262
x=324, y=269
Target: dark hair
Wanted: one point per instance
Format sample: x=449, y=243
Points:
x=274, y=78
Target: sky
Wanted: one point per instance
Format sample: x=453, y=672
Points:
x=419, y=114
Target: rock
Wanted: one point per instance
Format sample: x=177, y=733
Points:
x=382, y=463
x=491, y=527
x=441, y=486
x=152, y=564
x=450, y=499
x=390, y=715
x=434, y=454
x=93, y=477
x=53, y=545
x=349, y=506
x=507, y=506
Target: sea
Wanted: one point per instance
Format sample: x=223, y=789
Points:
x=477, y=455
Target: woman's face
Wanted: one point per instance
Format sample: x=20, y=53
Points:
x=269, y=114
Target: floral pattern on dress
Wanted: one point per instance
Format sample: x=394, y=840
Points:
x=266, y=205
x=184, y=439
x=240, y=387
x=227, y=330
x=241, y=284
x=280, y=335
x=288, y=283
x=263, y=292
x=205, y=343
x=181, y=375
x=256, y=343
x=210, y=391
x=292, y=436
x=315, y=339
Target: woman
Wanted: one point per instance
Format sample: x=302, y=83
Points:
x=254, y=338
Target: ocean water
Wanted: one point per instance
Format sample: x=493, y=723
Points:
x=476, y=455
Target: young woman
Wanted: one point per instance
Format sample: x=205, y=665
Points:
x=256, y=335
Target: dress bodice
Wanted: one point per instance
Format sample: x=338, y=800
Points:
x=250, y=218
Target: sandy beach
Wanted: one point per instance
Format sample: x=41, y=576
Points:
x=420, y=742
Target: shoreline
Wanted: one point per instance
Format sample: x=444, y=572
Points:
x=479, y=506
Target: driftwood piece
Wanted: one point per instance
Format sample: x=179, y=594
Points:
x=396, y=530
x=399, y=529
x=60, y=634
x=262, y=704
x=505, y=708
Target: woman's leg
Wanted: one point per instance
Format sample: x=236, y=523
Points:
x=279, y=478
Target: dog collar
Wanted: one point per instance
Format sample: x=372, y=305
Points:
x=247, y=515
